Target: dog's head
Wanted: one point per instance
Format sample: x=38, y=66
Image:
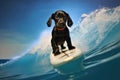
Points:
x=60, y=17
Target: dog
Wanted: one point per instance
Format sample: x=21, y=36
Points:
x=60, y=32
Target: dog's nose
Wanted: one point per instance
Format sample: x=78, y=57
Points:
x=62, y=24
x=61, y=20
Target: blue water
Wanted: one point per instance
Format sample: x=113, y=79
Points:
x=98, y=37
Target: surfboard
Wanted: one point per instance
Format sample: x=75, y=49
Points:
x=64, y=57
x=69, y=61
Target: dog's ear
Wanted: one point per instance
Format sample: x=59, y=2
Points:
x=49, y=22
x=69, y=20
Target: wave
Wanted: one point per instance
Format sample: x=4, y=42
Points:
x=96, y=27
x=96, y=35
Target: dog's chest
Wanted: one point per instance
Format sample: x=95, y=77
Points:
x=60, y=33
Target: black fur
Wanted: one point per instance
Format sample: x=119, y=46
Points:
x=60, y=32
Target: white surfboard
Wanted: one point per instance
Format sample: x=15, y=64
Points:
x=64, y=57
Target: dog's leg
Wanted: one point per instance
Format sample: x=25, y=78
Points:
x=54, y=44
x=68, y=40
x=54, y=47
x=69, y=44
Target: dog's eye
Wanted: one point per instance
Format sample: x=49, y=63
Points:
x=59, y=15
x=56, y=17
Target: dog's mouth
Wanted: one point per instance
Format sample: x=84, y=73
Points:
x=61, y=25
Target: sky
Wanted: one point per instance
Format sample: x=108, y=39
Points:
x=23, y=21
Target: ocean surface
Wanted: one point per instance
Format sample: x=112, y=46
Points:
x=98, y=37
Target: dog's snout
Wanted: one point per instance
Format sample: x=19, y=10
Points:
x=60, y=20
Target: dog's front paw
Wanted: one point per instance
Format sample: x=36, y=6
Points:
x=72, y=47
x=63, y=47
x=56, y=53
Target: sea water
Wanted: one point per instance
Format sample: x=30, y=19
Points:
x=97, y=35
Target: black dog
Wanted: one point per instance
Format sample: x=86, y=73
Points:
x=60, y=32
